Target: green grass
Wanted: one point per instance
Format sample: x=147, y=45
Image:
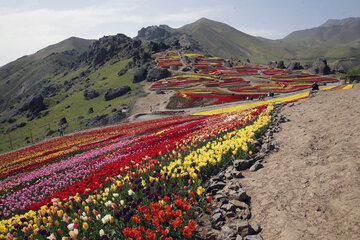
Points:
x=78, y=105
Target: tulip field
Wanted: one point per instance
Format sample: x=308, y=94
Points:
x=215, y=82
x=141, y=180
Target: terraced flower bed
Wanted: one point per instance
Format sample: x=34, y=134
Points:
x=168, y=59
x=278, y=87
x=145, y=184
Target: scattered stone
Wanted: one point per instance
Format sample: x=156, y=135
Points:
x=218, y=216
x=11, y=120
x=117, y=92
x=226, y=233
x=239, y=195
x=90, y=94
x=62, y=121
x=90, y=111
x=241, y=164
x=256, y=167
x=156, y=74
x=255, y=227
x=122, y=72
x=253, y=237
x=140, y=75
x=14, y=127
x=216, y=186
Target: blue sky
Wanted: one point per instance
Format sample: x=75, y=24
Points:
x=29, y=25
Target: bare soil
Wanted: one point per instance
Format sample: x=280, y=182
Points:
x=310, y=187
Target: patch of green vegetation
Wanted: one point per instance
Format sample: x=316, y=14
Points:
x=100, y=80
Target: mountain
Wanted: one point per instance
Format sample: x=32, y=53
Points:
x=27, y=74
x=335, y=40
x=215, y=38
x=340, y=22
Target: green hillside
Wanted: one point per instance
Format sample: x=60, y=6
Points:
x=223, y=40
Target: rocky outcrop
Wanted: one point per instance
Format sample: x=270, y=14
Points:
x=35, y=106
x=105, y=119
x=63, y=121
x=320, y=66
x=277, y=64
x=157, y=74
x=122, y=72
x=140, y=75
x=14, y=127
x=90, y=94
x=294, y=66
x=117, y=92
x=158, y=33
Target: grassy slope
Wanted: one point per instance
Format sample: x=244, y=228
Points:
x=22, y=77
x=223, y=40
x=78, y=105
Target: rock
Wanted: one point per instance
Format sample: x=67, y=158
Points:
x=68, y=106
x=216, y=186
x=256, y=167
x=140, y=75
x=122, y=72
x=186, y=69
x=218, y=216
x=239, y=204
x=240, y=227
x=117, y=92
x=11, y=120
x=241, y=164
x=90, y=94
x=90, y=111
x=174, y=68
x=320, y=66
x=294, y=66
x=116, y=117
x=14, y=127
x=228, y=207
x=37, y=104
x=206, y=233
x=98, y=121
x=62, y=121
x=226, y=233
x=160, y=91
x=255, y=227
x=280, y=65
x=228, y=63
x=238, y=237
x=157, y=74
x=253, y=237
x=51, y=132
x=153, y=32
x=238, y=195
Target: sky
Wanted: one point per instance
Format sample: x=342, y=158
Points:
x=27, y=26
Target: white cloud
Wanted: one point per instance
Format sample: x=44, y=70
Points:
x=26, y=31
x=266, y=33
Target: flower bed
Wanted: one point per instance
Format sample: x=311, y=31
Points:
x=144, y=187
x=168, y=59
x=275, y=88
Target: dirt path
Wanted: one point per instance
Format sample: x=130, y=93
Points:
x=310, y=188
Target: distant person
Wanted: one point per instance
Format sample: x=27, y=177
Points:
x=315, y=86
x=61, y=130
x=150, y=108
